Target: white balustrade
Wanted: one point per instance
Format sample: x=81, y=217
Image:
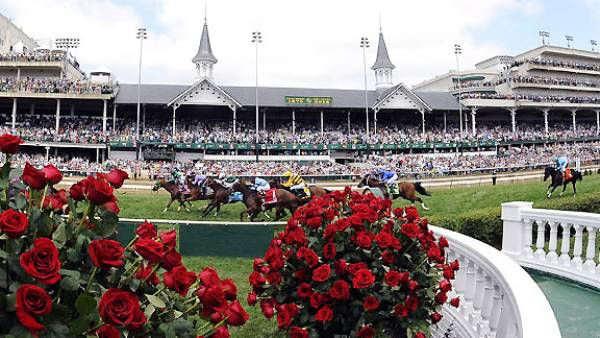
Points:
x=498, y=299
x=575, y=228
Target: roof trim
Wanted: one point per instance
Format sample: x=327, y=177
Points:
x=407, y=90
x=212, y=83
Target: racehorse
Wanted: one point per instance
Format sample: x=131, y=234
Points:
x=285, y=200
x=406, y=190
x=196, y=193
x=219, y=197
x=176, y=194
x=315, y=191
x=557, y=180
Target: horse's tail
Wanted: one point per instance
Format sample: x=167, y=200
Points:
x=419, y=188
x=578, y=175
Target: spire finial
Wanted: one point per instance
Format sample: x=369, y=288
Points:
x=205, y=12
x=380, y=29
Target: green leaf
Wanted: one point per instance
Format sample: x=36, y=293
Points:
x=15, y=173
x=11, y=300
x=79, y=326
x=69, y=284
x=57, y=329
x=71, y=273
x=60, y=235
x=156, y=301
x=149, y=310
x=18, y=202
x=85, y=304
x=3, y=254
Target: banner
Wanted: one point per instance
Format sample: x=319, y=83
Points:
x=308, y=100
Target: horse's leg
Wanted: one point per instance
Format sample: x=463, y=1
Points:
x=244, y=211
x=551, y=191
x=278, y=213
x=208, y=208
x=218, y=210
x=564, y=188
x=574, y=188
x=169, y=204
x=422, y=203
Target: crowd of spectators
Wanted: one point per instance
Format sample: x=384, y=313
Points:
x=71, y=129
x=533, y=98
x=52, y=85
x=507, y=158
x=38, y=56
x=558, y=63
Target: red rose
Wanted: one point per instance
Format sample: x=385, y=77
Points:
x=284, y=318
x=212, y=299
x=455, y=265
x=9, y=144
x=329, y=251
x=121, y=308
x=297, y=332
x=251, y=299
x=209, y=277
x=445, y=285
x=116, y=177
x=363, y=240
x=257, y=279
x=363, y=279
x=53, y=175
x=443, y=242
x=340, y=267
x=41, y=262
x=321, y=273
x=304, y=290
x=392, y=278
x=420, y=335
x=168, y=238
x=31, y=302
x=371, y=303
x=388, y=257
x=410, y=230
x=341, y=224
x=179, y=280
x=310, y=257
x=435, y=254
x=13, y=223
x=366, y=332
x=448, y=272
x=76, y=192
x=34, y=178
x=106, y=253
x=171, y=259
x=236, y=314
x=53, y=202
x=384, y=239
x=149, y=249
x=148, y=274
x=108, y=331
x=316, y=300
x=99, y=191
x=146, y=230
x=267, y=306
x=455, y=301
x=229, y=288
x=441, y=298
x=340, y=290
x=325, y=314
x=354, y=267
x=221, y=332
x=111, y=206
x=314, y=222
x=436, y=317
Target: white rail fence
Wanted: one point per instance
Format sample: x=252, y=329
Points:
x=498, y=298
x=572, y=250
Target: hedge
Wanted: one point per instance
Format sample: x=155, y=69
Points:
x=486, y=224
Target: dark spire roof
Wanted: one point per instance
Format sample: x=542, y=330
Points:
x=383, y=59
x=204, y=51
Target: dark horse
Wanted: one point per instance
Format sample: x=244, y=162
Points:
x=406, y=190
x=219, y=197
x=175, y=192
x=557, y=180
x=315, y=191
x=285, y=200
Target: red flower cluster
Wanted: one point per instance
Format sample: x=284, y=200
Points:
x=347, y=259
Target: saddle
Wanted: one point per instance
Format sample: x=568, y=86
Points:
x=393, y=189
x=567, y=175
x=270, y=196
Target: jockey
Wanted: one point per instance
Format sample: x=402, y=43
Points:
x=260, y=184
x=199, y=180
x=179, y=179
x=295, y=183
x=388, y=177
x=561, y=164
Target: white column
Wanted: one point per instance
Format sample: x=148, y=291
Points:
x=72, y=110
x=97, y=155
x=143, y=118
x=422, y=122
x=597, y=122
x=57, y=115
x=293, y=122
x=375, y=111
x=445, y=122
x=234, y=119
x=473, y=123
x=47, y=153
x=264, y=119
x=574, y=114
x=18, y=73
x=545, y=111
x=114, y=117
x=513, y=238
x=513, y=117
x=32, y=109
x=14, y=113
x=349, y=123
x=321, y=123
x=174, y=109
x=104, y=107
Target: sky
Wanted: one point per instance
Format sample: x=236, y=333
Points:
x=305, y=43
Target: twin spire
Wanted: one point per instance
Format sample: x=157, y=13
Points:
x=383, y=66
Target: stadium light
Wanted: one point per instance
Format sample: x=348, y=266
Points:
x=256, y=39
x=66, y=44
x=594, y=44
x=457, y=52
x=142, y=35
x=544, y=35
x=364, y=44
x=569, y=39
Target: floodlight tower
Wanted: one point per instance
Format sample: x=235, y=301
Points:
x=256, y=39
x=594, y=43
x=141, y=35
x=457, y=52
x=544, y=35
x=364, y=44
x=569, y=39
x=66, y=44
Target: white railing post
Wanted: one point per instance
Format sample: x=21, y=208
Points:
x=565, y=245
x=552, y=256
x=577, y=249
x=540, y=253
x=590, y=251
x=513, y=228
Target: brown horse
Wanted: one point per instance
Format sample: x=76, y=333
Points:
x=219, y=197
x=176, y=194
x=196, y=192
x=254, y=205
x=406, y=190
x=315, y=191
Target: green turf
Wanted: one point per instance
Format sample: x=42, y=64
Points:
x=147, y=205
x=443, y=202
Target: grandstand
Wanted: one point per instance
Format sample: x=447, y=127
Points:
x=533, y=102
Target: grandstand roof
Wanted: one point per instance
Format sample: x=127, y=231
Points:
x=383, y=58
x=275, y=96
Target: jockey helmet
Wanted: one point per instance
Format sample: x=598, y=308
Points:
x=287, y=173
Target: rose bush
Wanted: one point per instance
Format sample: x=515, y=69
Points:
x=347, y=264
x=61, y=274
